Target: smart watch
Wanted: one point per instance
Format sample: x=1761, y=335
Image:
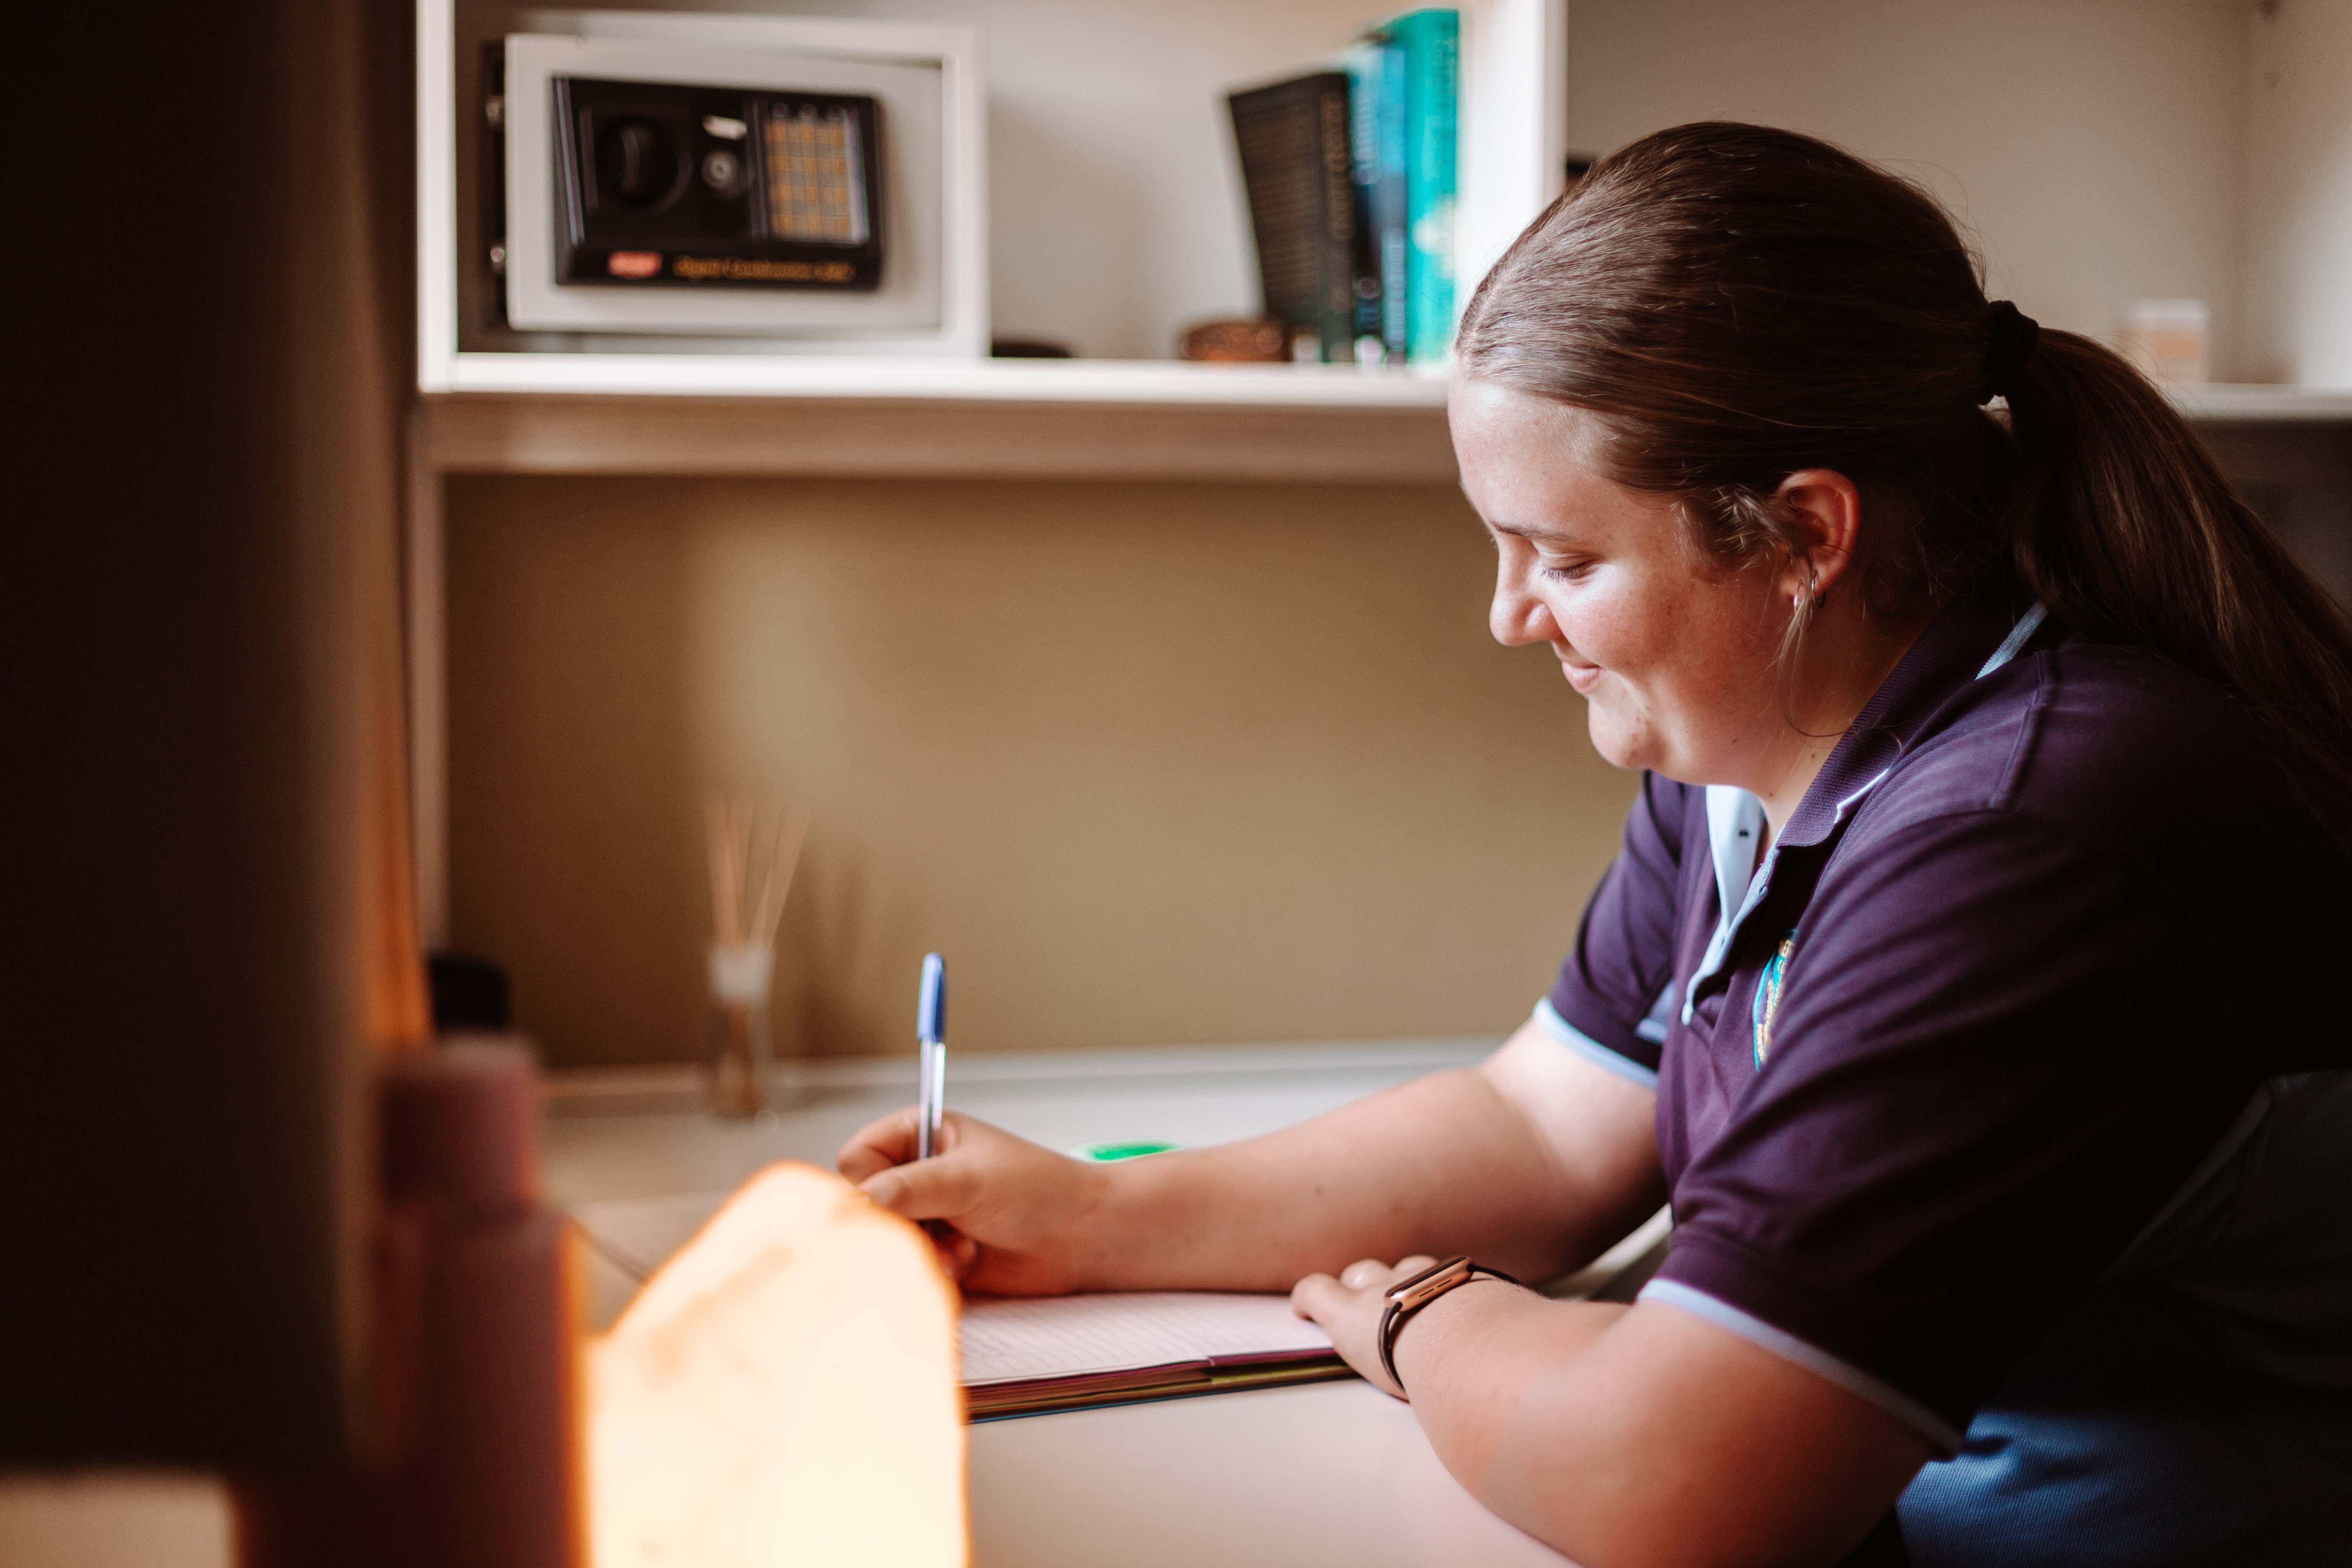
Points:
x=1410, y=1295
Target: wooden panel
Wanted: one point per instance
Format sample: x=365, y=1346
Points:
x=1150, y=762
x=926, y=438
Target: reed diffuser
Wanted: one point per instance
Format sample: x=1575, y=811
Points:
x=742, y=955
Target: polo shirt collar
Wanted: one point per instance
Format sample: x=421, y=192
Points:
x=1972, y=637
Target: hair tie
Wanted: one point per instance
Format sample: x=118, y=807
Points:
x=2010, y=337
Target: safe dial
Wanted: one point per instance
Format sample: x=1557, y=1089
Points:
x=637, y=165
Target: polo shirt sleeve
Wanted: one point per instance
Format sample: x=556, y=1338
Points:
x=1994, y=1060
x=1606, y=1004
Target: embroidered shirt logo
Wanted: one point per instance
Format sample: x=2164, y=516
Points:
x=1767, y=998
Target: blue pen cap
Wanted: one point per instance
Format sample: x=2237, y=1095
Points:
x=932, y=1023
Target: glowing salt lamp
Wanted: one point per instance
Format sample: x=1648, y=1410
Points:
x=782, y=1392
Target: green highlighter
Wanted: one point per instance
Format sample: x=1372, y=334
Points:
x=1105, y=1152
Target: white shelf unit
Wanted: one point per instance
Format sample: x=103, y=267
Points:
x=1513, y=56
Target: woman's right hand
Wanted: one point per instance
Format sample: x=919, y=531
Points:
x=1011, y=1216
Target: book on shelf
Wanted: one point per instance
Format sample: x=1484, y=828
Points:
x=1430, y=42
x=1377, y=112
x=1298, y=170
x=1351, y=177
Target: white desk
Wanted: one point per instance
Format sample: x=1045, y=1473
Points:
x=1333, y=1473
x=1330, y=1473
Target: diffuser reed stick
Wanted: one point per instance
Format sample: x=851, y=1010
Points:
x=783, y=860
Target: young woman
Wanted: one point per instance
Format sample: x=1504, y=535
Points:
x=1969, y=978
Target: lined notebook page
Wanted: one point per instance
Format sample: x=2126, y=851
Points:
x=1016, y=1339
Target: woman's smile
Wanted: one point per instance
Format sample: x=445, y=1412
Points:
x=1672, y=651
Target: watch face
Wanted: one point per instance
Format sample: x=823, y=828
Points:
x=1431, y=1282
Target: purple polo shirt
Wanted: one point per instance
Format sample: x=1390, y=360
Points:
x=2022, y=960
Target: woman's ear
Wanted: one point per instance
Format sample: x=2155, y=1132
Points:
x=1824, y=509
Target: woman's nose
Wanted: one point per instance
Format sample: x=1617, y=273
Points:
x=1517, y=616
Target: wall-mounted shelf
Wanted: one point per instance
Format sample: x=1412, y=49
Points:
x=1131, y=381
x=1035, y=419
x=931, y=437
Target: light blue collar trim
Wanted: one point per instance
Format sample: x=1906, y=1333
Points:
x=1758, y=1333
x=1591, y=1049
x=1735, y=825
x=1735, y=822
x=2027, y=624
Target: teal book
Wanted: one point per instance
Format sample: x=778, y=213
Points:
x=1431, y=42
x=1376, y=110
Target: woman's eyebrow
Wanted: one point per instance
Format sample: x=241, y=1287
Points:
x=1534, y=533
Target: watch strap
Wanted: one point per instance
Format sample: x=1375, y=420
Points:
x=1407, y=1297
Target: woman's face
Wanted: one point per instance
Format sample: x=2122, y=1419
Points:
x=1673, y=652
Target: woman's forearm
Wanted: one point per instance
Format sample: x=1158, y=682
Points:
x=1533, y=1162
x=1642, y=1435
x=1468, y=1357
x=1442, y=1163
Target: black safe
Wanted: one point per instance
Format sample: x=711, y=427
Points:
x=669, y=185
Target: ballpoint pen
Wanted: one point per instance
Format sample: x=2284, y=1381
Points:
x=930, y=1028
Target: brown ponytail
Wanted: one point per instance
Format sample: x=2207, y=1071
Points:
x=1735, y=303
x=2131, y=533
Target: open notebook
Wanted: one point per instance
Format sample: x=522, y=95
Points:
x=1028, y=1354
x=1023, y=1355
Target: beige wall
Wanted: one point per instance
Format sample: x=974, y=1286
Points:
x=2299, y=191
x=2095, y=150
x=1151, y=764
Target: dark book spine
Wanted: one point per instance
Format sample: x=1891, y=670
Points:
x=1300, y=171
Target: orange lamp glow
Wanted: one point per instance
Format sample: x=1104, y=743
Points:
x=782, y=1392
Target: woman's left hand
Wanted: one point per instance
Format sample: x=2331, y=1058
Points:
x=1348, y=1309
